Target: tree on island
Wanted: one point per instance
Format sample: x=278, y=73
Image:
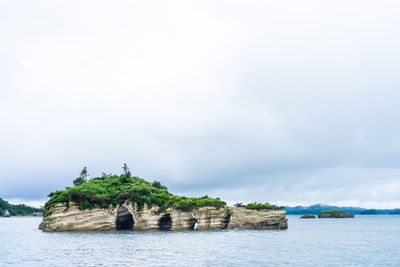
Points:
x=82, y=177
x=127, y=172
x=126, y=175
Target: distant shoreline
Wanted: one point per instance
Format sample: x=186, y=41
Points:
x=19, y=209
x=317, y=208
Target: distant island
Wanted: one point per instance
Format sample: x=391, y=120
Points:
x=315, y=209
x=129, y=202
x=308, y=216
x=335, y=214
x=18, y=210
x=369, y=212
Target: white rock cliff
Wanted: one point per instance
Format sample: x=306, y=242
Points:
x=127, y=216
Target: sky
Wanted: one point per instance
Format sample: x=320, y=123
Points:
x=287, y=102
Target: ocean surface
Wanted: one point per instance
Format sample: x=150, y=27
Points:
x=368, y=240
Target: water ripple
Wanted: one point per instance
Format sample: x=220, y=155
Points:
x=363, y=241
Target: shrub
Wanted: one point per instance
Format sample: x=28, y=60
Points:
x=75, y=195
x=124, y=178
x=62, y=197
x=79, y=181
x=86, y=204
x=262, y=206
x=157, y=184
x=104, y=205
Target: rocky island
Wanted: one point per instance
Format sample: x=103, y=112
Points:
x=335, y=214
x=308, y=216
x=128, y=202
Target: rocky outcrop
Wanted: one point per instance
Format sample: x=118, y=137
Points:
x=308, y=216
x=257, y=219
x=127, y=216
x=6, y=214
x=73, y=219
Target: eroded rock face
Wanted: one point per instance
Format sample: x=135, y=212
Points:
x=254, y=219
x=73, y=219
x=127, y=216
x=201, y=218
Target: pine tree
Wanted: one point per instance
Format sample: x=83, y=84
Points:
x=82, y=177
x=127, y=172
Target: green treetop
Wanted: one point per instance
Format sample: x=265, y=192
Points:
x=111, y=190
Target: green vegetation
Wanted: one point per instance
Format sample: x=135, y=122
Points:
x=126, y=170
x=262, y=206
x=17, y=210
x=82, y=177
x=332, y=212
x=116, y=189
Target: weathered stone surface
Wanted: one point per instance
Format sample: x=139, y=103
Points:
x=308, y=216
x=254, y=219
x=128, y=217
x=73, y=219
x=202, y=218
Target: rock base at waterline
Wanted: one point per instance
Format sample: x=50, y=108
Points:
x=127, y=216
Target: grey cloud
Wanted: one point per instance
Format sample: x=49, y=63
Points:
x=259, y=102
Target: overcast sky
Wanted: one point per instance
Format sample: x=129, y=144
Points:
x=288, y=102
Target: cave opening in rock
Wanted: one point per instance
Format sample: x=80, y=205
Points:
x=225, y=221
x=124, y=219
x=165, y=222
x=193, y=222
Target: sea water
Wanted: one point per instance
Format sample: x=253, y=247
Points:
x=362, y=241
